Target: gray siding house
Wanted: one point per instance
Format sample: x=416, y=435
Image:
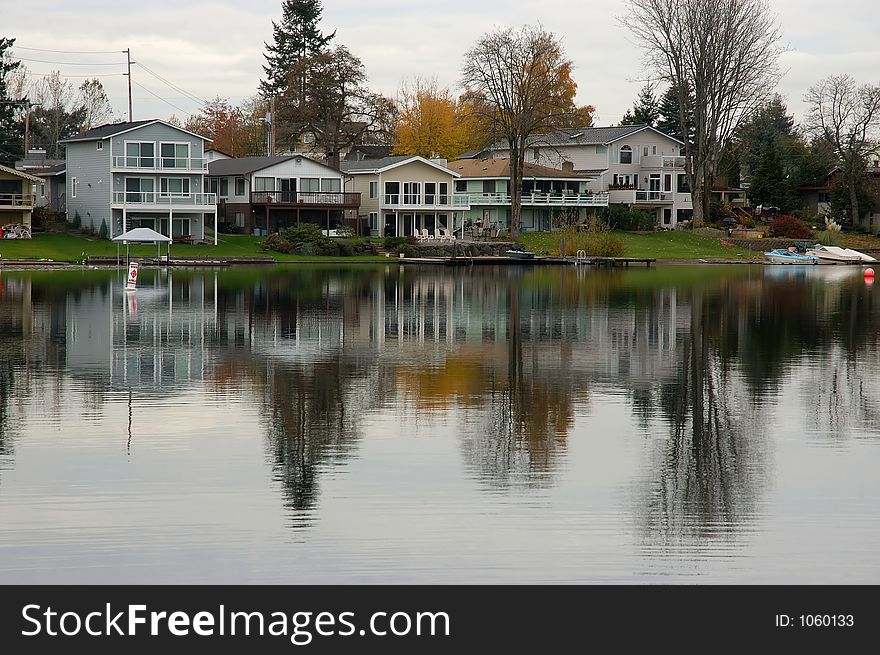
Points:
x=140, y=174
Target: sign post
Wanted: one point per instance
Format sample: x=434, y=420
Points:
x=131, y=283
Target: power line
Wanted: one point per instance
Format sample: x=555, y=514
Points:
x=70, y=52
x=172, y=85
x=171, y=104
x=93, y=75
x=74, y=63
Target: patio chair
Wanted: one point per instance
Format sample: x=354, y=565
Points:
x=425, y=234
x=447, y=234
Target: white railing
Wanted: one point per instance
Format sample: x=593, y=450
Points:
x=662, y=161
x=653, y=196
x=549, y=199
x=153, y=198
x=163, y=163
x=428, y=200
x=16, y=200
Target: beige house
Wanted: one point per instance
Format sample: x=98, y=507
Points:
x=17, y=196
x=405, y=194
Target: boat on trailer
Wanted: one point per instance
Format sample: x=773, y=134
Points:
x=783, y=256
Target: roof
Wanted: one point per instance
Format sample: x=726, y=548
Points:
x=585, y=136
x=363, y=152
x=21, y=174
x=501, y=168
x=245, y=165
x=142, y=235
x=388, y=163
x=112, y=129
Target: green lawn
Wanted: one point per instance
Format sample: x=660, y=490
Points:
x=64, y=247
x=656, y=245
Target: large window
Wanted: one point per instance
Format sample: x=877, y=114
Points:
x=461, y=186
x=140, y=189
x=224, y=187
x=430, y=193
x=174, y=187
x=412, y=193
x=626, y=155
x=374, y=220
x=683, y=186
x=374, y=190
x=392, y=193
x=174, y=155
x=331, y=184
x=239, y=186
x=264, y=184
x=444, y=193
x=310, y=184
x=140, y=154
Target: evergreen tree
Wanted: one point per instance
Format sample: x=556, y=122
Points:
x=646, y=110
x=295, y=38
x=769, y=184
x=11, y=127
x=668, y=120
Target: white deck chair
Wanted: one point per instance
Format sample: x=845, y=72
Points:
x=447, y=234
x=425, y=234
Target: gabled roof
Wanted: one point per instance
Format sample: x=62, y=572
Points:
x=389, y=163
x=500, y=168
x=112, y=129
x=21, y=174
x=370, y=151
x=584, y=136
x=245, y=165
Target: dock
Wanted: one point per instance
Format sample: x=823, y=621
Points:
x=535, y=261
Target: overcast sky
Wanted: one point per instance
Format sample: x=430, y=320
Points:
x=211, y=48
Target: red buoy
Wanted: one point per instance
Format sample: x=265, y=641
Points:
x=869, y=272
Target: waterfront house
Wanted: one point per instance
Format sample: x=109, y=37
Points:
x=50, y=193
x=17, y=196
x=549, y=195
x=405, y=194
x=637, y=165
x=816, y=198
x=141, y=174
x=260, y=195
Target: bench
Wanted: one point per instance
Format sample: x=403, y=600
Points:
x=182, y=238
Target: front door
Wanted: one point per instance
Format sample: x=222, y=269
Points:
x=654, y=188
x=287, y=187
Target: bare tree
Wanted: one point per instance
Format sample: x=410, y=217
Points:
x=93, y=99
x=523, y=77
x=847, y=116
x=722, y=58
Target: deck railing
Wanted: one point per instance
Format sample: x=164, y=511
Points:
x=153, y=198
x=16, y=200
x=312, y=198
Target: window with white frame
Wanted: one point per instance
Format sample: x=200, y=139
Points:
x=461, y=186
x=653, y=150
x=239, y=219
x=444, y=194
x=73, y=184
x=374, y=220
x=622, y=180
x=374, y=189
x=140, y=154
x=536, y=154
x=331, y=184
x=412, y=193
x=430, y=193
x=626, y=155
x=99, y=145
x=310, y=184
x=223, y=187
x=140, y=189
x=174, y=187
x=239, y=186
x=264, y=184
x=174, y=155
x=645, y=151
x=392, y=193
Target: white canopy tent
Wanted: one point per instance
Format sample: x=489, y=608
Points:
x=142, y=235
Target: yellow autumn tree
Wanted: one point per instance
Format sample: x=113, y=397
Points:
x=430, y=122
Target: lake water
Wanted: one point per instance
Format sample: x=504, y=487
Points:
x=377, y=424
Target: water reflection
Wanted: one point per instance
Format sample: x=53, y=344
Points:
x=698, y=370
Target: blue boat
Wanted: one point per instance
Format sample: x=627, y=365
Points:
x=783, y=256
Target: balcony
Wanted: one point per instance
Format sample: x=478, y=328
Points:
x=162, y=164
x=307, y=199
x=152, y=200
x=640, y=197
x=663, y=161
x=541, y=199
x=16, y=201
x=436, y=202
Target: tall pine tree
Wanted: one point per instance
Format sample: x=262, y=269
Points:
x=646, y=110
x=669, y=121
x=11, y=128
x=295, y=38
x=770, y=150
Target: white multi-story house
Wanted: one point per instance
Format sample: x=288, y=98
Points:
x=636, y=165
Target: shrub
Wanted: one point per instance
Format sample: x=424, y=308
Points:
x=829, y=238
x=277, y=243
x=393, y=244
x=596, y=241
x=104, y=233
x=77, y=220
x=622, y=217
x=791, y=227
x=344, y=231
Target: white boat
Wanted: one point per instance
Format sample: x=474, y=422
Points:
x=836, y=255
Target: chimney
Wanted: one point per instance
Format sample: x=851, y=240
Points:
x=36, y=153
x=439, y=160
x=568, y=167
x=333, y=160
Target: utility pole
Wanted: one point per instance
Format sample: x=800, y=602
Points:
x=127, y=52
x=272, y=126
x=27, y=129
